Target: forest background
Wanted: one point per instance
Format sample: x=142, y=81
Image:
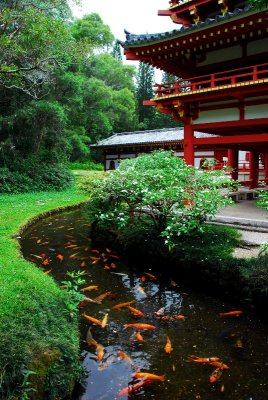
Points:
x=63, y=85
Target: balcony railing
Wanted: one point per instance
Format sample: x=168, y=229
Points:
x=219, y=80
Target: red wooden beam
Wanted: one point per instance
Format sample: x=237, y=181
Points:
x=263, y=138
x=232, y=124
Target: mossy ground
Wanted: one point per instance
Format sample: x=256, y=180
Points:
x=32, y=317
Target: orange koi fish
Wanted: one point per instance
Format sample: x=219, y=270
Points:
x=218, y=364
x=151, y=276
x=179, y=316
x=216, y=374
x=70, y=246
x=139, y=337
x=168, y=347
x=85, y=301
x=127, y=391
x=124, y=356
x=147, y=375
x=107, y=268
x=231, y=313
x=166, y=318
x=114, y=256
x=143, y=278
x=60, y=257
x=73, y=255
x=104, y=321
x=121, y=305
x=47, y=272
x=92, y=287
x=91, y=319
x=95, y=261
x=108, y=250
x=140, y=326
x=83, y=264
x=113, y=265
x=135, y=311
x=100, y=351
x=45, y=262
x=95, y=251
x=89, y=338
x=202, y=360
x=101, y=297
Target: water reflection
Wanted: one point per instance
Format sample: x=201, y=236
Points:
x=239, y=342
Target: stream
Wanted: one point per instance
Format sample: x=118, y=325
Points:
x=112, y=354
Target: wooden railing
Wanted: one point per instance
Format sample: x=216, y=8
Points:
x=217, y=80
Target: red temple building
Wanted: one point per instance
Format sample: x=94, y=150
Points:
x=124, y=145
x=219, y=56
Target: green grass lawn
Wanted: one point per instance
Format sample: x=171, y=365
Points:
x=34, y=327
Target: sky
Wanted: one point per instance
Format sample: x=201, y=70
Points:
x=136, y=16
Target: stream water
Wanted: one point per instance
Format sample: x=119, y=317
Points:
x=240, y=342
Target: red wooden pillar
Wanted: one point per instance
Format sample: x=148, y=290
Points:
x=233, y=162
x=254, y=169
x=189, y=144
x=266, y=168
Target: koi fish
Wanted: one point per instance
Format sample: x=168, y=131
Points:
x=139, y=337
x=172, y=283
x=70, y=246
x=101, y=297
x=60, y=257
x=202, y=360
x=87, y=300
x=147, y=375
x=35, y=255
x=127, y=391
x=92, y=319
x=47, y=272
x=179, y=316
x=160, y=311
x=83, y=264
x=168, y=347
x=151, y=276
x=216, y=374
x=114, y=256
x=141, y=290
x=113, y=265
x=143, y=278
x=95, y=251
x=100, y=351
x=238, y=344
x=45, y=262
x=104, y=321
x=135, y=311
x=73, y=255
x=95, y=261
x=92, y=287
x=108, y=250
x=107, y=268
x=231, y=313
x=124, y=356
x=121, y=305
x=218, y=364
x=106, y=364
x=140, y=326
x=89, y=339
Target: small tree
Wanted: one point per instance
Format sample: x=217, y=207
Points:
x=160, y=188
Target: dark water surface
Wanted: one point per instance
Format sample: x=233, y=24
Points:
x=240, y=342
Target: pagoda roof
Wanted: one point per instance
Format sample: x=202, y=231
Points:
x=156, y=136
x=133, y=40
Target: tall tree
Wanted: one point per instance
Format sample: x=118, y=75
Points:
x=116, y=52
x=33, y=39
x=145, y=81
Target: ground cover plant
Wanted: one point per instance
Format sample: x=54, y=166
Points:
x=35, y=330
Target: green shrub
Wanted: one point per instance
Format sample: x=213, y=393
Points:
x=85, y=165
x=34, y=177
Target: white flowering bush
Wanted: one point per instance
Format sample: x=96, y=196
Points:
x=162, y=190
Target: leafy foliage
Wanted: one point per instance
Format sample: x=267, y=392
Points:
x=177, y=198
